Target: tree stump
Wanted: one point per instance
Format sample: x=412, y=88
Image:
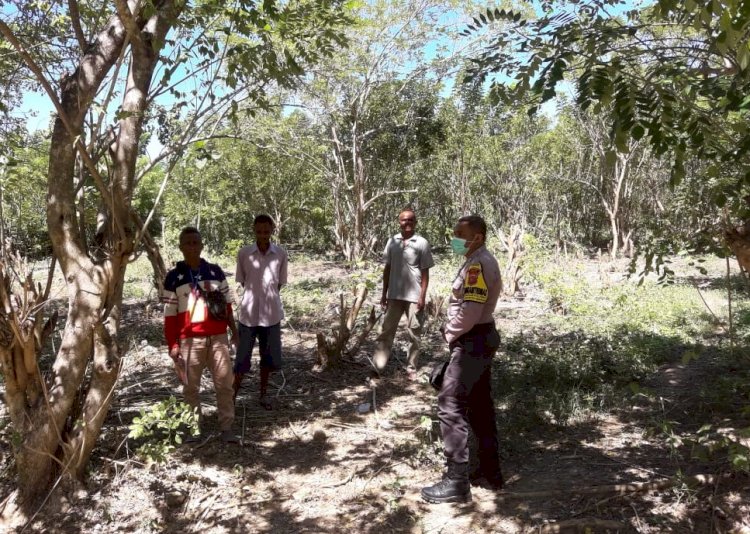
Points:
x=333, y=344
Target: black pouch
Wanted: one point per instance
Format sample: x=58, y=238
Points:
x=437, y=374
x=215, y=302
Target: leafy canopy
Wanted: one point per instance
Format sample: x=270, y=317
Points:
x=676, y=73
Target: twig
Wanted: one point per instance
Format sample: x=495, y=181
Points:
x=718, y=321
x=713, y=506
x=291, y=427
x=6, y=500
x=319, y=377
x=347, y=479
x=123, y=462
x=370, y=430
x=620, y=489
x=186, y=506
x=376, y=473
x=282, y=384
x=633, y=466
x=638, y=521
x=596, y=505
x=206, y=508
x=245, y=503
x=582, y=524
x=244, y=415
x=288, y=345
x=729, y=302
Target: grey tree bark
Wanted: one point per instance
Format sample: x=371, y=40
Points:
x=59, y=419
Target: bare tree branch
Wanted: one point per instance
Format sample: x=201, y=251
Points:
x=131, y=26
x=75, y=20
x=74, y=132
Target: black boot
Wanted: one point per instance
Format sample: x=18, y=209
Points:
x=488, y=474
x=454, y=486
x=489, y=480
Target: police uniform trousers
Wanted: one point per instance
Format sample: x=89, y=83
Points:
x=465, y=398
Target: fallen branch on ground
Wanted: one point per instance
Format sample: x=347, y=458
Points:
x=348, y=479
x=582, y=525
x=621, y=489
x=243, y=503
x=371, y=431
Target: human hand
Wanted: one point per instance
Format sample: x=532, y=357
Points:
x=174, y=352
x=420, y=304
x=235, y=340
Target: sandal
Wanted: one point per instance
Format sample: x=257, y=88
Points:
x=265, y=403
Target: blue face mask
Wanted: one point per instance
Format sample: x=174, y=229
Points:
x=459, y=246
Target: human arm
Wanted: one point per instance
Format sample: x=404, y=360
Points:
x=467, y=317
x=424, y=282
x=386, y=277
x=425, y=264
x=283, y=270
x=235, y=339
x=239, y=272
x=171, y=319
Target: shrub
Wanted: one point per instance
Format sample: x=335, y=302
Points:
x=162, y=428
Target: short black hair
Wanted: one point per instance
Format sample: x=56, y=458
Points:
x=188, y=230
x=408, y=209
x=476, y=223
x=263, y=218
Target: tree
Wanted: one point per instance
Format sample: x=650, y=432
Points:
x=674, y=74
x=610, y=173
x=22, y=191
x=59, y=416
x=378, y=107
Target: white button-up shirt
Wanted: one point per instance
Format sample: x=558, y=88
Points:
x=261, y=275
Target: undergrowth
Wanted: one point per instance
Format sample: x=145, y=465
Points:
x=602, y=339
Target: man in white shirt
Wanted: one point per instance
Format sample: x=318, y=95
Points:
x=261, y=270
x=406, y=275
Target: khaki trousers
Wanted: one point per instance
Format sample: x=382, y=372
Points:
x=414, y=323
x=211, y=352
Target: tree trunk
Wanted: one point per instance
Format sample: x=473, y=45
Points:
x=153, y=253
x=615, y=235
x=514, y=250
x=59, y=428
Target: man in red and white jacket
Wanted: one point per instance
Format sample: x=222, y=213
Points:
x=195, y=339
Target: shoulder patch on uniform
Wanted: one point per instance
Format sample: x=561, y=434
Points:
x=475, y=288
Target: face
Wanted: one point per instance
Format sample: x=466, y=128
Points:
x=407, y=221
x=263, y=231
x=464, y=231
x=191, y=246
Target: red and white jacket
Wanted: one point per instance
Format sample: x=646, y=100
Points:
x=185, y=310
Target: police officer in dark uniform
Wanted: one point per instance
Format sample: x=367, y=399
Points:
x=465, y=398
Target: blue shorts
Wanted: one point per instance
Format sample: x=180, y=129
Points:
x=269, y=345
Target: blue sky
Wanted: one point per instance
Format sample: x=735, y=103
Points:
x=39, y=110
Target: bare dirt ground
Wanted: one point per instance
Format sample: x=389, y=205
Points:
x=314, y=464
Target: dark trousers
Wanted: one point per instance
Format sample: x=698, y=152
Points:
x=465, y=398
x=269, y=341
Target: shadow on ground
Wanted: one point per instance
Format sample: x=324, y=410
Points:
x=575, y=412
